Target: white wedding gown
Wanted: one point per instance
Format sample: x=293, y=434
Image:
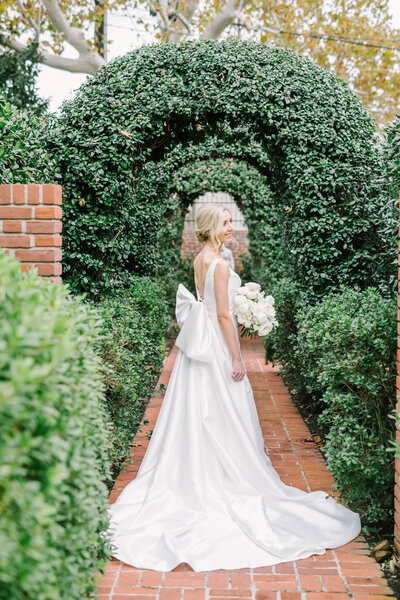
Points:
x=206, y=492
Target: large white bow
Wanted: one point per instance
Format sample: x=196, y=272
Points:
x=195, y=336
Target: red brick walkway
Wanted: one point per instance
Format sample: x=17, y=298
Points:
x=340, y=574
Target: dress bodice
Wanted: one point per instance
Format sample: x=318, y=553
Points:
x=209, y=294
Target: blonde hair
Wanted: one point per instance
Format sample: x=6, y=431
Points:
x=209, y=219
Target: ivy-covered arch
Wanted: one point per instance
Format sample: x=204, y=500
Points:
x=252, y=194
x=152, y=113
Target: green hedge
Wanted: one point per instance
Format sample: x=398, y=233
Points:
x=132, y=348
x=24, y=157
x=388, y=188
x=54, y=447
x=346, y=352
x=143, y=121
x=281, y=343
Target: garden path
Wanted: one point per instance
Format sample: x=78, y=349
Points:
x=344, y=573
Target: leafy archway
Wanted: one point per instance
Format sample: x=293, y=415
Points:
x=252, y=194
x=155, y=111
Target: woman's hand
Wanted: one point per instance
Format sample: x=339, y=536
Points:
x=238, y=370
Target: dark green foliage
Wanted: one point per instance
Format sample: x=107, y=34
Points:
x=18, y=72
x=54, y=448
x=388, y=187
x=133, y=348
x=144, y=120
x=23, y=154
x=346, y=352
x=280, y=344
x=291, y=143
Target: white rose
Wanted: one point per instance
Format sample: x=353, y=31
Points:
x=241, y=290
x=247, y=323
x=243, y=307
x=269, y=310
x=269, y=299
x=254, y=287
x=252, y=294
x=260, y=314
x=239, y=299
x=265, y=329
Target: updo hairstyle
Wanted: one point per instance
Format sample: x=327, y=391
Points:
x=209, y=219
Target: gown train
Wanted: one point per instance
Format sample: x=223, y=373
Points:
x=206, y=492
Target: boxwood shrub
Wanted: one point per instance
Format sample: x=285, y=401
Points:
x=132, y=348
x=346, y=352
x=54, y=442
x=24, y=157
x=388, y=185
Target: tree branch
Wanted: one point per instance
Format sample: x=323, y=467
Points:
x=88, y=58
x=72, y=65
x=181, y=18
x=27, y=19
x=223, y=19
x=89, y=61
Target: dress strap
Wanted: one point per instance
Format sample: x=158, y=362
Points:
x=210, y=269
x=213, y=265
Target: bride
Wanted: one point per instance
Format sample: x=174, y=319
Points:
x=206, y=492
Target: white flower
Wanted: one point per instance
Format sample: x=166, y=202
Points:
x=269, y=310
x=243, y=307
x=251, y=294
x=254, y=311
x=265, y=329
x=254, y=287
x=239, y=299
x=260, y=314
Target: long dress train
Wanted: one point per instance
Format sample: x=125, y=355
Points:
x=206, y=492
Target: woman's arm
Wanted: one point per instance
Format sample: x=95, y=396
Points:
x=221, y=281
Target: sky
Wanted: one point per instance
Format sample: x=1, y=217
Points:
x=125, y=36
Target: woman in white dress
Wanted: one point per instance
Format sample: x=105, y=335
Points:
x=206, y=492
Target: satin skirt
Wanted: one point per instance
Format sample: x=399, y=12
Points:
x=206, y=492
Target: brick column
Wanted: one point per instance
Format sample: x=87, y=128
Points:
x=397, y=459
x=30, y=226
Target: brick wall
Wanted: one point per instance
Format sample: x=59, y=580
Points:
x=190, y=244
x=30, y=226
x=397, y=459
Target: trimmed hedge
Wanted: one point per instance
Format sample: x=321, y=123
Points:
x=121, y=142
x=24, y=157
x=54, y=448
x=132, y=349
x=281, y=343
x=388, y=187
x=346, y=352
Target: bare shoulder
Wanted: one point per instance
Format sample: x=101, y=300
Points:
x=222, y=268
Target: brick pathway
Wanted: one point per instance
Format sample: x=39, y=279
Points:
x=340, y=574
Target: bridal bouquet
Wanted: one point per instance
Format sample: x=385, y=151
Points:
x=255, y=312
